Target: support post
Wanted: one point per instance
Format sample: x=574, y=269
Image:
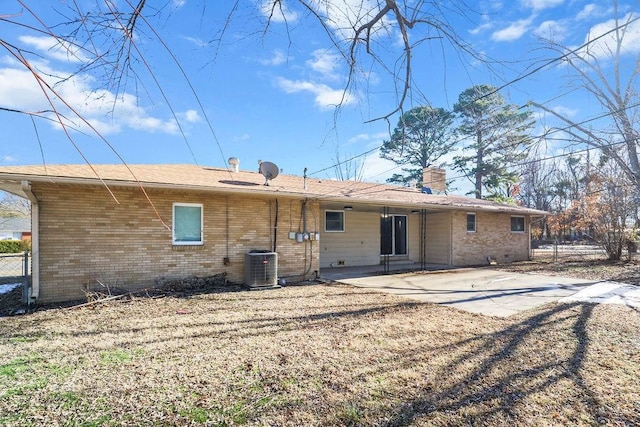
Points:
x=423, y=239
x=25, y=279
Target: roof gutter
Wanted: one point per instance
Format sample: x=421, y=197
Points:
x=35, y=241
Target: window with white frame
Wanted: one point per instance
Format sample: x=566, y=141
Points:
x=334, y=221
x=517, y=224
x=187, y=224
x=471, y=222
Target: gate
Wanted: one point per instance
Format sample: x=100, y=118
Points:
x=15, y=272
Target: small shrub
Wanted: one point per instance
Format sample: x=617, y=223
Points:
x=13, y=246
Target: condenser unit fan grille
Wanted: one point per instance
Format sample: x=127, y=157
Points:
x=261, y=268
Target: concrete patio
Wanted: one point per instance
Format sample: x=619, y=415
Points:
x=479, y=290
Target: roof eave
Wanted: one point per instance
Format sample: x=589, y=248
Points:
x=17, y=178
x=266, y=191
x=437, y=206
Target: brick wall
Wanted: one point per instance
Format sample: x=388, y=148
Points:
x=86, y=237
x=493, y=237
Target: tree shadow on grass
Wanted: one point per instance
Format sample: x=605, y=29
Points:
x=490, y=392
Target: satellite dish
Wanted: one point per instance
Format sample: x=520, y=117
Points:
x=269, y=171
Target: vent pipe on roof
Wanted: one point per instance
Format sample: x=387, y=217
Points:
x=304, y=179
x=234, y=163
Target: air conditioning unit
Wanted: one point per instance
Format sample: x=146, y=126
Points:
x=261, y=268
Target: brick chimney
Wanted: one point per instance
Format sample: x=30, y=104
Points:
x=434, y=179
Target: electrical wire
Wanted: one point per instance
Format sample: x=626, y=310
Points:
x=539, y=137
x=509, y=83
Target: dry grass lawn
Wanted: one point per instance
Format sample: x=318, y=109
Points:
x=318, y=355
x=596, y=269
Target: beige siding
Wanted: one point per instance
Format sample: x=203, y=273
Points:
x=359, y=244
x=414, y=237
x=493, y=237
x=439, y=238
x=87, y=237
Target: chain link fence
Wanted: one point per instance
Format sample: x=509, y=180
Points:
x=15, y=270
x=556, y=252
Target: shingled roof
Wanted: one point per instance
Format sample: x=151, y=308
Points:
x=192, y=177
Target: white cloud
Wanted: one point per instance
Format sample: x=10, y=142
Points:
x=514, y=31
x=277, y=11
x=244, y=137
x=365, y=137
x=541, y=4
x=481, y=28
x=19, y=91
x=190, y=116
x=105, y=111
x=591, y=10
x=54, y=49
x=277, y=58
x=606, y=46
x=196, y=41
x=152, y=124
x=340, y=16
x=343, y=16
x=377, y=169
x=325, y=96
x=551, y=30
x=324, y=63
x=7, y=159
x=374, y=167
x=179, y=3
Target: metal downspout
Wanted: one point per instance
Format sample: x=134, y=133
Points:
x=35, y=241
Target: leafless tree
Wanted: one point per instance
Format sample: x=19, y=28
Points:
x=606, y=69
x=604, y=211
x=351, y=168
x=13, y=206
x=105, y=39
x=537, y=181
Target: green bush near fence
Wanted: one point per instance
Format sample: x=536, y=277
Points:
x=13, y=246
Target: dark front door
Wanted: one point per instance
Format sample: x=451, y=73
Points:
x=393, y=235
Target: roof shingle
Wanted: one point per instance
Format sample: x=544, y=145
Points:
x=181, y=176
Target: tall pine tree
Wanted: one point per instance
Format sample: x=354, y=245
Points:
x=422, y=136
x=497, y=135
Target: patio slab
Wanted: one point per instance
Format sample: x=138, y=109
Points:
x=477, y=290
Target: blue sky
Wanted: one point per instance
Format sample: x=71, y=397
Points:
x=271, y=96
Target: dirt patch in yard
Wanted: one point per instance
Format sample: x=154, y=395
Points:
x=10, y=298
x=318, y=355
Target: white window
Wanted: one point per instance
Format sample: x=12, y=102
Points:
x=471, y=222
x=334, y=221
x=187, y=224
x=517, y=224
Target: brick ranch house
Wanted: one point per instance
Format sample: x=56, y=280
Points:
x=129, y=226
